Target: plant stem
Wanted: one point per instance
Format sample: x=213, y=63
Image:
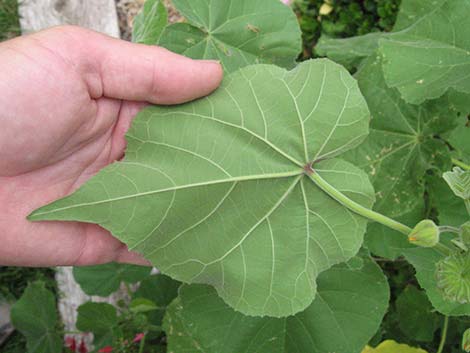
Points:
x=460, y=164
x=443, y=335
x=142, y=343
x=357, y=208
x=467, y=205
x=449, y=229
x=443, y=249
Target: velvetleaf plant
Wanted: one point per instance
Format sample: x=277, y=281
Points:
x=248, y=178
x=245, y=190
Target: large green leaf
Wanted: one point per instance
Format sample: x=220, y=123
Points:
x=351, y=51
x=431, y=56
x=402, y=145
x=412, y=11
x=236, y=32
x=150, y=22
x=102, y=280
x=35, y=316
x=217, y=191
x=346, y=313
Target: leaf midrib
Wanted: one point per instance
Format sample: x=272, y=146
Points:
x=292, y=173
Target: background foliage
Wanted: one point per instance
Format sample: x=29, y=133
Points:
x=343, y=18
x=9, y=21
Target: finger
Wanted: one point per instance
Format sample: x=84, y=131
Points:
x=127, y=113
x=98, y=246
x=130, y=257
x=123, y=70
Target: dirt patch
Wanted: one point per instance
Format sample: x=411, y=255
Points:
x=128, y=9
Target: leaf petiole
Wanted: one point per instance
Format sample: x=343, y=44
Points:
x=443, y=249
x=449, y=229
x=460, y=164
x=357, y=208
x=443, y=335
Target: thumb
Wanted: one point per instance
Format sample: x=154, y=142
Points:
x=123, y=70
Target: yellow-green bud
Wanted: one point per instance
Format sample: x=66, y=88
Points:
x=425, y=234
x=466, y=341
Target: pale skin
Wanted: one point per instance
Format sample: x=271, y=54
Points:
x=67, y=97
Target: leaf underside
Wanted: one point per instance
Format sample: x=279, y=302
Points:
x=342, y=318
x=216, y=191
x=235, y=32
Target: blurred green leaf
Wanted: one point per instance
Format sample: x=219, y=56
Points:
x=103, y=280
x=35, y=316
x=150, y=23
x=415, y=315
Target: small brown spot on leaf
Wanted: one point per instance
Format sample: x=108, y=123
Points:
x=252, y=28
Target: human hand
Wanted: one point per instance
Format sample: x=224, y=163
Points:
x=67, y=97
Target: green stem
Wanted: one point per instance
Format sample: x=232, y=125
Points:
x=467, y=205
x=142, y=343
x=357, y=208
x=449, y=229
x=443, y=335
x=443, y=249
x=460, y=164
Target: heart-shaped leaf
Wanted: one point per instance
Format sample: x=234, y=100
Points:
x=217, y=191
x=236, y=32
